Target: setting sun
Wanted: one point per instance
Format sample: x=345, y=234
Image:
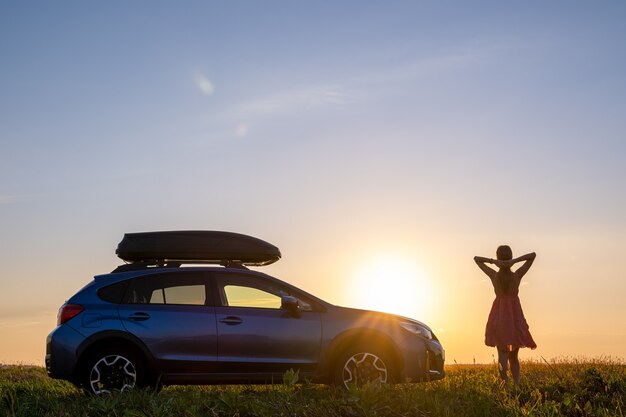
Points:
x=391, y=284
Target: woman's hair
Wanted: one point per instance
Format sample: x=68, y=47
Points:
x=504, y=253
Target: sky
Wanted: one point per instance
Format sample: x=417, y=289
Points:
x=379, y=145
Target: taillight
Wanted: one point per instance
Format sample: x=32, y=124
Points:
x=68, y=311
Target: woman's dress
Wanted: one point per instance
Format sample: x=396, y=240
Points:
x=506, y=326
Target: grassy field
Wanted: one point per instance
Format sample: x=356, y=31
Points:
x=558, y=388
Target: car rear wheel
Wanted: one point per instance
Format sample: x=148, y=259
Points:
x=362, y=366
x=113, y=370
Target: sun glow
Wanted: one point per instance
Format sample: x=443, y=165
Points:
x=392, y=285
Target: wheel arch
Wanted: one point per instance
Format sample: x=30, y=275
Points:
x=118, y=339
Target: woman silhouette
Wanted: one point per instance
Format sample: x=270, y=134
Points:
x=506, y=327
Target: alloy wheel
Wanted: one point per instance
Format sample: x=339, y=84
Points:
x=112, y=373
x=363, y=368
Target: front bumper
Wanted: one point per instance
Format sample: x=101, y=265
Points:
x=424, y=361
x=435, y=358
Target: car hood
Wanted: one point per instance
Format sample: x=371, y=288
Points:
x=371, y=314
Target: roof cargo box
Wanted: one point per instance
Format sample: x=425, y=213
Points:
x=197, y=246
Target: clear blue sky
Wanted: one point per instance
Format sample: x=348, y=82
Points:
x=337, y=130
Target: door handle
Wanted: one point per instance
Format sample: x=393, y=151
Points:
x=139, y=316
x=231, y=320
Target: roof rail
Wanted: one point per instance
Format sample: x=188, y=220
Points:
x=169, y=263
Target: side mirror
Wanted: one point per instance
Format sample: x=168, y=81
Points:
x=290, y=304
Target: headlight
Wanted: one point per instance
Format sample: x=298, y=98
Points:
x=416, y=329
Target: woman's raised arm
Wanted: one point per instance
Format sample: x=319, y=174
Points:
x=482, y=264
x=529, y=258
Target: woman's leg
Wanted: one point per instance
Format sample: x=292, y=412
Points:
x=503, y=359
x=514, y=361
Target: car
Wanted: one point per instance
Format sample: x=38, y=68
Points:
x=186, y=309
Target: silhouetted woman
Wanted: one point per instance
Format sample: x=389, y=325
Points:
x=506, y=327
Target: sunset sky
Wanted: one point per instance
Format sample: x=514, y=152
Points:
x=379, y=145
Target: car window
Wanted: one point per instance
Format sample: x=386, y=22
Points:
x=180, y=294
x=241, y=296
x=246, y=291
x=113, y=293
x=174, y=288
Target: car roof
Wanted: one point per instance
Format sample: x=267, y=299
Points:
x=103, y=280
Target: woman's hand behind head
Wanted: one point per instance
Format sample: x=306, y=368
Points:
x=504, y=264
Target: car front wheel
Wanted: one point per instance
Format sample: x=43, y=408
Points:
x=363, y=366
x=112, y=370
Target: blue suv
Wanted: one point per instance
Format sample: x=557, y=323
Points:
x=158, y=320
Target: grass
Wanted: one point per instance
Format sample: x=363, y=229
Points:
x=566, y=387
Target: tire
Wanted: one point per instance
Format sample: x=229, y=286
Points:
x=113, y=370
x=364, y=365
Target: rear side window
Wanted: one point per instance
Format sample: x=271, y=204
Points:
x=113, y=293
x=179, y=294
x=171, y=288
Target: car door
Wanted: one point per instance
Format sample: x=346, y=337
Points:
x=256, y=338
x=173, y=315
